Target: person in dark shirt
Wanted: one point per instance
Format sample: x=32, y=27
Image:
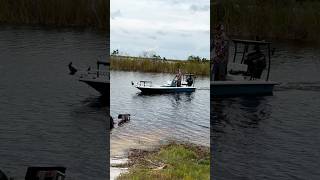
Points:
x=256, y=62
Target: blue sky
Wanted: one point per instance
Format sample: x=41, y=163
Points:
x=173, y=29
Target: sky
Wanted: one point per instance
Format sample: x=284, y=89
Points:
x=174, y=29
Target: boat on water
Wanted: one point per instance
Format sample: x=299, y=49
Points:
x=98, y=79
x=244, y=75
x=187, y=86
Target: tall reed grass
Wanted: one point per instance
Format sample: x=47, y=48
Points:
x=159, y=66
x=81, y=13
x=285, y=19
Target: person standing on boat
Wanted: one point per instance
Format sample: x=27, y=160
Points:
x=179, y=76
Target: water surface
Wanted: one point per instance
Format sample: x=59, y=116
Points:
x=47, y=117
x=273, y=137
x=157, y=118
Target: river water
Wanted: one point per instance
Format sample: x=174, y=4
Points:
x=157, y=119
x=47, y=117
x=273, y=137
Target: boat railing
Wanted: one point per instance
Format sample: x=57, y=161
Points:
x=246, y=43
x=95, y=74
x=145, y=83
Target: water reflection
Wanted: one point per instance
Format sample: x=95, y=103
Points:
x=157, y=117
x=243, y=112
x=175, y=98
x=48, y=117
x=272, y=137
x=96, y=101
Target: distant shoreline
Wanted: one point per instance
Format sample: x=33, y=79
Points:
x=128, y=63
x=58, y=13
x=277, y=20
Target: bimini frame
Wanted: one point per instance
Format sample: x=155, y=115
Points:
x=246, y=44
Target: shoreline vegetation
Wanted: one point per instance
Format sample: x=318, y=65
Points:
x=142, y=64
x=297, y=20
x=55, y=13
x=171, y=161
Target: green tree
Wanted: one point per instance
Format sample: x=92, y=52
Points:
x=115, y=52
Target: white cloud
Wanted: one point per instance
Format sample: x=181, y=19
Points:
x=174, y=29
x=116, y=14
x=196, y=8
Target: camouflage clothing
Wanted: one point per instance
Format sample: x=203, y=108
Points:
x=220, y=59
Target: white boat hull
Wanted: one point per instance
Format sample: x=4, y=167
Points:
x=163, y=90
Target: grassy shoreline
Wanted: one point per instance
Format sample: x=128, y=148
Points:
x=171, y=161
x=279, y=20
x=159, y=66
x=56, y=13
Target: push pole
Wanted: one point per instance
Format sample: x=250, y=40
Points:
x=269, y=64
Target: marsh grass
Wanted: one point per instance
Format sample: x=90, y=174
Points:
x=178, y=161
x=159, y=66
x=274, y=19
x=80, y=13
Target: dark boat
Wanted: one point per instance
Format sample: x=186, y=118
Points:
x=244, y=76
x=41, y=173
x=98, y=79
x=44, y=173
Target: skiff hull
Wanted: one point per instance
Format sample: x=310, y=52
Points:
x=165, y=90
x=241, y=88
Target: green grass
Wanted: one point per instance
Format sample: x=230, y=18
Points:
x=79, y=13
x=180, y=161
x=274, y=19
x=159, y=66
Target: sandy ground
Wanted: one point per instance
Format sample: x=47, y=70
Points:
x=116, y=171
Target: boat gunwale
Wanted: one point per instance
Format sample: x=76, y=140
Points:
x=238, y=83
x=164, y=87
x=97, y=80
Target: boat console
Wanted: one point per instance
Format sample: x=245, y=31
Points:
x=245, y=75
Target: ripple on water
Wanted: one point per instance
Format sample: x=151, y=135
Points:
x=272, y=137
x=47, y=117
